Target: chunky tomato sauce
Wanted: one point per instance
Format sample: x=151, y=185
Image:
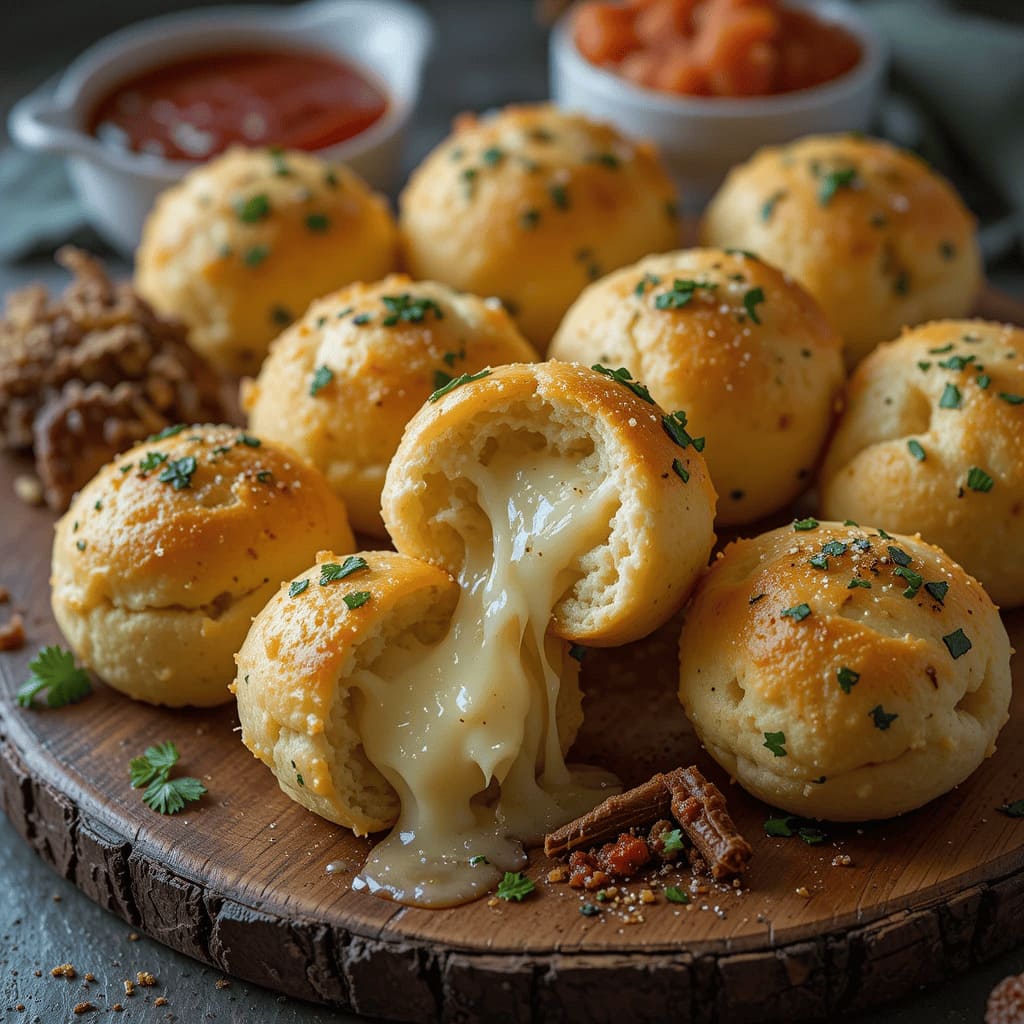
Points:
x=195, y=108
x=714, y=47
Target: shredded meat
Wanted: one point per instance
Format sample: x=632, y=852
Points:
x=85, y=376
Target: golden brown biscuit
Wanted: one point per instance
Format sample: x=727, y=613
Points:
x=839, y=672
x=640, y=500
x=876, y=236
x=168, y=552
x=529, y=205
x=741, y=347
x=933, y=439
x=339, y=386
x=241, y=246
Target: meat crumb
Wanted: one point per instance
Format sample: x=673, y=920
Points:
x=81, y=1008
x=12, y=634
x=89, y=976
x=63, y=971
x=145, y=979
x=160, y=1001
x=129, y=987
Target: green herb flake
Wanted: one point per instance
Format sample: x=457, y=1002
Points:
x=167, y=432
x=457, y=382
x=478, y=859
x=681, y=293
x=529, y=219
x=979, y=480
x=676, y=895
x=754, y=598
x=98, y=505
x=515, y=886
x=884, y=535
x=492, y=156
x=178, y=473
x=956, y=362
x=331, y=572
x=255, y=255
x=810, y=835
x=648, y=280
x=835, y=548
x=672, y=841
x=810, y=523
x=53, y=670
x=832, y=182
x=858, y=582
x=798, y=612
x=318, y=222
x=924, y=364
x=577, y=651
x=297, y=587
x=625, y=378
x=342, y=313
x=941, y=350
x=913, y=581
x=938, y=590
x=281, y=315
x=362, y=319
x=409, y=309
x=745, y=253
x=847, y=678
x=468, y=177
x=248, y=440
x=916, y=450
x=768, y=206
x=441, y=379
x=674, y=424
x=983, y=380
x=779, y=828
x=1011, y=399
x=881, y=717
x=751, y=301
x=151, y=461
x=589, y=909
x=819, y=561
x=253, y=209
x=1012, y=810
x=80, y=544
x=775, y=742
x=898, y=555
x=322, y=376
x=951, y=397
x=278, y=163
x=957, y=643
x=559, y=196
x=356, y=599
x=609, y=160
x=680, y=470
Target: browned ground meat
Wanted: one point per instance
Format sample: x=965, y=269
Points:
x=87, y=375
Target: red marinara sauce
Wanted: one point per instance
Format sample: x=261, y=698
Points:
x=195, y=108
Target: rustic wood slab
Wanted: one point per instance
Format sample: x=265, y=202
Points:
x=240, y=880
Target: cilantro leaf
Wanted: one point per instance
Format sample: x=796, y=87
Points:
x=331, y=572
x=155, y=761
x=848, y=679
x=751, y=300
x=676, y=895
x=810, y=523
x=938, y=590
x=797, y=613
x=356, y=599
x=775, y=742
x=515, y=886
x=832, y=182
x=957, y=643
x=178, y=472
x=464, y=378
x=53, y=669
x=296, y=587
x=881, y=717
x=672, y=842
x=321, y=378
x=979, y=480
x=779, y=828
x=624, y=377
x=168, y=796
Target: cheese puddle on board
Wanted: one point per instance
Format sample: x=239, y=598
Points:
x=465, y=730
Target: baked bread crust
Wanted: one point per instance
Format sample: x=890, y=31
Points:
x=377, y=367
x=841, y=701
x=925, y=389
x=870, y=230
x=763, y=391
x=155, y=581
x=529, y=205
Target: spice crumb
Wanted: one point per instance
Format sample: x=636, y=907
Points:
x=145, y=979
x=802, y=891
x=558, y=874
x=38, y=974
x=222, y=983
x=28, y=489
x=129, y=987
x=842, y=860
x=160, y=1001
x=63, y=971
x=89, y=976
x=117, y=1008
x=56, y=897
x=646, y=896
x=20, y=1007
x=81, y=1008
x=492, y=902
x=133, y=936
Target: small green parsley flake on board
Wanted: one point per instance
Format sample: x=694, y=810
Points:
x=53, y=670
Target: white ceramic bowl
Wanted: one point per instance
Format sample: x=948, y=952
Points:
x=386, y=39
x=701, y=138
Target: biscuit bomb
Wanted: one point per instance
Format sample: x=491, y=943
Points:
x=932, y=439
x=876, y=236
x=532, y=203
x=434, y=691
x=168, y=552
x=737, y=344
x=842, y=672
x=340, y=385
x=241, y=246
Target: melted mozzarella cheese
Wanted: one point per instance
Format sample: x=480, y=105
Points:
x=466, y=730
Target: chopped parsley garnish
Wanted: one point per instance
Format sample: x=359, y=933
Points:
x=680, y=470
x=819, y=561
x=468, y=177
x=178, y=472
x=577, y=651
x=80, y=544
x=676, y=895
x=923, y=364
x=1011, y=399
x=745, y=253
x=810, y=523
x=589, y=909
x=883, y=534
x=297, y=587
x=956, y=362
x=478, y=859
x=515, y=886
x=672, y=841
x=898, y=555
x=253, y=209
x=847, y=678
x=1012, y=810
x=913, y=581
x=751, y=301
x=850, y=522
x=624, y=377
x=789, y=826
x=674, y=424
x=957, y=643
x=281, y=315
x=457, y=382
x=776, y=743
x=983, y=380
x=609, y=160
x=798, y=612
x=167, y=432
x=321, y=378
x=938, y=590
x=356, y=599
x=409, y=309
x=881, y=717
x=832, y=182
x=529, y=219
x=331, y=572
x=834, y=548
x=298, y=775
x=441, y=378
x=950, y=397
x=768, y=206
x=361, y=319
x=280, y=165
x=53, y=670
x=264, y=476
x=318, y=222
x=681, y=293
x=255, y=255
x=342, y=313
x=779, y=828
x=754, y=598
x=916, y=450
x=559, y=196
x=151, y=461
x=163, y=794
x=979, y=480
x=492, y=156
x=651, y=280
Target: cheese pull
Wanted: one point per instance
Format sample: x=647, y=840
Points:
x=537, y=505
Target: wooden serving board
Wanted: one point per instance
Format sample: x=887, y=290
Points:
x=240, y=880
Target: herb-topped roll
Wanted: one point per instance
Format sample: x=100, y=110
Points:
x=340, y=385
x=168, y=552
x=241, y=246
x=535, y=508
x=844, y=673
x=932, y=439
x=741, y=347
x=876, y=236
x=530, y=204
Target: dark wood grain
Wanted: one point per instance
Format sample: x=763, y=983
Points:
x=240, y=880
